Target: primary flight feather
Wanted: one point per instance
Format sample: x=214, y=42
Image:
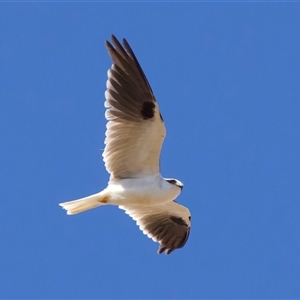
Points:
x=134, y=137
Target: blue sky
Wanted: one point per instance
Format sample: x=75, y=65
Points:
x=226, y=76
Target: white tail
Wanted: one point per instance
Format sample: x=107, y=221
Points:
x=80, y=205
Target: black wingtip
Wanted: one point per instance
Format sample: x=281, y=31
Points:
x=107, y=44
x=161, y=250
x=114, y=42
x=113, y=38
x=167, y=251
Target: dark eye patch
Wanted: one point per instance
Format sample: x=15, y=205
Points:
x=172, y=181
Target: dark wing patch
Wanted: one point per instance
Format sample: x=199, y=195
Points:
x=178, y=221
x=148, y=110
x=170, y=231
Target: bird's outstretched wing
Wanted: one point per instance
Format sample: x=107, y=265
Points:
x=135, y=128
x=168, y=224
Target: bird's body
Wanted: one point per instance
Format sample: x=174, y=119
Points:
x=151, y=190
x=134, y=137
x=148, y=191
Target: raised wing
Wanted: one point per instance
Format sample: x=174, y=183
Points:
x=168, y=224
x=135, y=128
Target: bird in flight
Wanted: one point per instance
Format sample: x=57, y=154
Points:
x=134, y=135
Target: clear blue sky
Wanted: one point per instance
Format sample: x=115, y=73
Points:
x=226, y=76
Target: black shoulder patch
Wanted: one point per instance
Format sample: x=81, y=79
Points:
x=147, y=110
x=178, y=221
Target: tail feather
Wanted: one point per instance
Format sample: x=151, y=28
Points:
x=80, y=205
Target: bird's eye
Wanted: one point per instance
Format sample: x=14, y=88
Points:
x=172, y=181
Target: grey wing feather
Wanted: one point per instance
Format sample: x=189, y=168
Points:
x=168, y=224
x=168, y=233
